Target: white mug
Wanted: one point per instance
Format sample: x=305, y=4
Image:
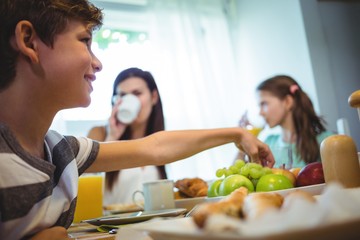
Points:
x=157, y=195
x=129, y=109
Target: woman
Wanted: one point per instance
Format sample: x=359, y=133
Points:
x=283, y=103
x=120, y=185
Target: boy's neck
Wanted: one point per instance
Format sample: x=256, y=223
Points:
x=28, y=128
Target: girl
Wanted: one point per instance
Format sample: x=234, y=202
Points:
x=283, y=103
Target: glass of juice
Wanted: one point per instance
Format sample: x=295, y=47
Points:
x=90, y=197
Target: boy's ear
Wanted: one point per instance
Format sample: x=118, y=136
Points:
x=24, y=39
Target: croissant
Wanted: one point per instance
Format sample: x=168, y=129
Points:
x=257, y=204
x=192, y=187
x=231, y=206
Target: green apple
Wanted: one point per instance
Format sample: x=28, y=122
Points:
x=213, y=190
x=272, y=182
x=230, y=183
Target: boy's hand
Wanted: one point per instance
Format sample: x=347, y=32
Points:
x=258, y=151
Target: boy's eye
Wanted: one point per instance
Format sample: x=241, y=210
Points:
x=87, y=41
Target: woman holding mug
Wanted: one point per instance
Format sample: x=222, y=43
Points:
x=120, y=185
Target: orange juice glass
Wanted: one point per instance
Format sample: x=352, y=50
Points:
x=254, y=130
x=90, y=197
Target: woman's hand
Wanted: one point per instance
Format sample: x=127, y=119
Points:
x=115, y=128
x=54, y=233
x=258, y=151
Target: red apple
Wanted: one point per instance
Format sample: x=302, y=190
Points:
x=310, y=174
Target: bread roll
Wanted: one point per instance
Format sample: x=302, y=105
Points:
x=257, y=204
x=230, y=205
x=296, y=195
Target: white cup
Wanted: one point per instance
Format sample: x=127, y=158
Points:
x=157, y=195
x=129, y=109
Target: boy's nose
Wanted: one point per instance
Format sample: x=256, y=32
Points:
x=96, y=64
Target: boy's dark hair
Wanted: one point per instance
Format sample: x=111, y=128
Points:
x=49, y=18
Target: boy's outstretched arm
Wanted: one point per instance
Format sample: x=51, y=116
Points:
x=169, y=146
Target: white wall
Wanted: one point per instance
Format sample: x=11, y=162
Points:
x=316, y=42
x=333, y=35
x=272, y=40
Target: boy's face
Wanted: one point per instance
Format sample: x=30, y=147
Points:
x=70, y=66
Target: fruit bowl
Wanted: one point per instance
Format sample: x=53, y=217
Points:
x=314, y=190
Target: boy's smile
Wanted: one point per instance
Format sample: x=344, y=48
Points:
x=72, y=61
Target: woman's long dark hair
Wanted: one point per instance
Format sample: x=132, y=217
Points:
x=155, y=122
x=307, y=124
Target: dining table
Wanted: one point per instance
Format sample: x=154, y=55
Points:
x=86, y=231
x=106, y=227
x=335, y=214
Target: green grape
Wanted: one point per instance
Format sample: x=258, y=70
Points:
x=262, y=172
x=267, y=170
x=220, y=172
x=245, y=171
x=255, y=165
x=239, y=163
x=228, y=172
x=234, y=169
x=255, y=173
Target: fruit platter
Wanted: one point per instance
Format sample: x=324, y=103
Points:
x=257, y=178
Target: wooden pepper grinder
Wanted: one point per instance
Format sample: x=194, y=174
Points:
x=354, y=101
x=340, y=157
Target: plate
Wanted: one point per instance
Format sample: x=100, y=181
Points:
x=134, y=217
x=117, y=208
x=185, y=229
x=188, y=203
x=314, y=190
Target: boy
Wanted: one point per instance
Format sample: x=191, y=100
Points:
x=46, y=65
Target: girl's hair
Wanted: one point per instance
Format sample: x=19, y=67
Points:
x=307, y=124
x=156, y=118
x=49, y=18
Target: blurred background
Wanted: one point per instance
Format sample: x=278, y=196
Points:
x=207, y=57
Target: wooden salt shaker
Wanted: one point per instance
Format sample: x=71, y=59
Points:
x=339, y=155
x=340, y=161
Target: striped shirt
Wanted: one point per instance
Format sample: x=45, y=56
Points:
x=34, y=193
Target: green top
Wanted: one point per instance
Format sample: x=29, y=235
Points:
x=280, y=150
